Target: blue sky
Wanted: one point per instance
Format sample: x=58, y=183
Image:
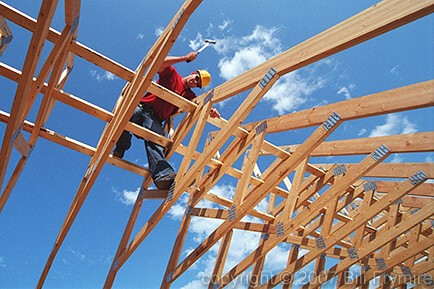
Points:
x=247, y=33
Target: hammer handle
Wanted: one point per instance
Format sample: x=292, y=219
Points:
x=200, y=50
x=190, y=60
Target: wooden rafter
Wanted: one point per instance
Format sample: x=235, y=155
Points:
x=370, y=214
x=46, y=14
x=404, y=98
x=380, y=18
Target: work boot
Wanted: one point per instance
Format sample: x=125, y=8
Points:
x=118, y=154
x=164, y=182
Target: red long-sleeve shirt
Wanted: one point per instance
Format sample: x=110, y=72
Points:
x=170, y=79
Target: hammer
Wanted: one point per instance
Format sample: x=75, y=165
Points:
x=207, y=43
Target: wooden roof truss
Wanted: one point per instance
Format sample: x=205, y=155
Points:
x=340, y=211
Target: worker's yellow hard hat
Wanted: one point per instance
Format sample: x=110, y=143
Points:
x=205, y=78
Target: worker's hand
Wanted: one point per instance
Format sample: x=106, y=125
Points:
x=214, y=113
x=191, y=56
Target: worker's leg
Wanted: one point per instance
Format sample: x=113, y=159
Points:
x=158, y=164
x=162, y=172
x=124, y=141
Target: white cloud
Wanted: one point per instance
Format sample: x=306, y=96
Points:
x=396, y=71
x=225, y=25
x=159, y=30
x=277, y=258
x=265, y=37
x=408, y=127
x=362, y=132
x=397, y=158
x=106, y=75
x=294, y=89
x=197, y=284
x=2, y=262
x=127, y=197
x=196, y=43
x=394, y=125
x=178, y=209
x=202, y=228
x=290, y=91
x=77, y=254
x=226, y=191
x=242, y=61
x=243, y=53
x=390, y=127
x=140, y=36
x=346, y=90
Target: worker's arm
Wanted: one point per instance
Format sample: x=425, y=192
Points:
x=171, y=60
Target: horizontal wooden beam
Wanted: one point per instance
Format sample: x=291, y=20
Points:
x=403, y=143
x=76, y=145
x=77, y=48
x=393, y=170
x=376, y=20
x=87, y=107
x=21, y=98
x=425, y=189
x=399, y=99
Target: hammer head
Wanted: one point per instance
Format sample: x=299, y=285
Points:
x=207, y=43
x=210, y=41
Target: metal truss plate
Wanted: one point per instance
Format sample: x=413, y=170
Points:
x=208, y=97
x=266, y=79
x=406, y=271
x=177, y=18
x=232, y=213
x=381, y=263
x=331, y=121
x=320, y=242
x=370, y=186
x=417, y=178
x=380, y=152
x=171, y=192
x=261, y=127
x=339, y=170
x=188, y=210
x=280, y=229
x=352, y=253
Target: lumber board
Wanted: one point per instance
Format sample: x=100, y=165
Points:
x=55, y=65
x=256, y=195
x=5, y=35
x=391, y=220
x=76, y=145
x=219, y=140
x=138, y=87
x=45, y=16
x=105, y=115
x=399, y=257
x=404, y=98
x=372, y=22
x=360, y=220
x=426, y=189
x=77, y=48
x=381, y=240
x=415, y=142
x=393, y=170
x=304, y=216
x=112, y=131
x=87, y=107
